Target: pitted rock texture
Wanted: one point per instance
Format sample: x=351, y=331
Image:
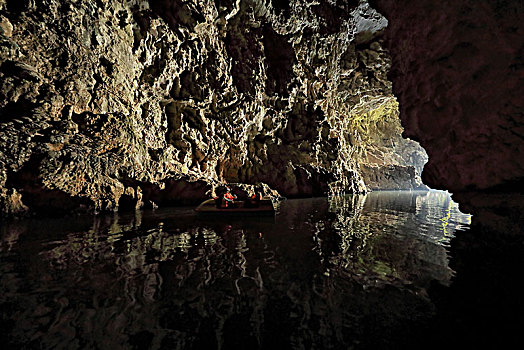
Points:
x=126, y=103
x=457, y=72
x=388, y=161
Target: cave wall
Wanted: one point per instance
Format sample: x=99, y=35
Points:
x=458, y=75
x=457, y=72
x=111, y=102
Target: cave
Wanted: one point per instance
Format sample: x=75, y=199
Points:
x=354, y=115
x=457, y=89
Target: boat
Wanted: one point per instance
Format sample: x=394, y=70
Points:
x=264, y=206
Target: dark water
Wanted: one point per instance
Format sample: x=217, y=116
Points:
x=346, y=272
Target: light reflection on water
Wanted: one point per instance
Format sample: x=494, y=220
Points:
x=348, y=271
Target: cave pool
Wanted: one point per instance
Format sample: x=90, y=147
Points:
x=342, y=272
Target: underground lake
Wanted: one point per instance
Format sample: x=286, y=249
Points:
x=117, y=117
x=324, y=273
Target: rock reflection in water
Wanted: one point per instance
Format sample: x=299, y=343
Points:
x=349, y=271
x=391, y=237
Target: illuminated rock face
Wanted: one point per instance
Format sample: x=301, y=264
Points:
x=124, y=103
x=457, y=72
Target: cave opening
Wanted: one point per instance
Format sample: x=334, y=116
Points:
x=324, y=109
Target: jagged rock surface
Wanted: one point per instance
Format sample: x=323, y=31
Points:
x=129, y=102
x=388, y=161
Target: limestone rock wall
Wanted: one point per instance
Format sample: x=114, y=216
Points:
x=114, y=103
x=388, y=161
x=457, y=71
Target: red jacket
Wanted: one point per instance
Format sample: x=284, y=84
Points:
x=257, y=195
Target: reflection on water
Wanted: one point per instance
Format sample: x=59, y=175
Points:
x=324, y=273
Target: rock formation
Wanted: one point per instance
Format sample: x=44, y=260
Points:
x=114, y=103
x=457, y=72
x=457, y=69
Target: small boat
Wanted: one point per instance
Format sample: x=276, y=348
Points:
x=264, y=206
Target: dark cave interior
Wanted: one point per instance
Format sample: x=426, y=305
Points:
x=457, y=72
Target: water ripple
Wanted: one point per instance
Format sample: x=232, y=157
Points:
x=322, y=274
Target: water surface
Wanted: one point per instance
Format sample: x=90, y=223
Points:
x=344, y=272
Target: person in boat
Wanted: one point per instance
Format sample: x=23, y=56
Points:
x=254, y=200
x=225, y=198
x=258, y=194
x=219, y=198
x=229, y=198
